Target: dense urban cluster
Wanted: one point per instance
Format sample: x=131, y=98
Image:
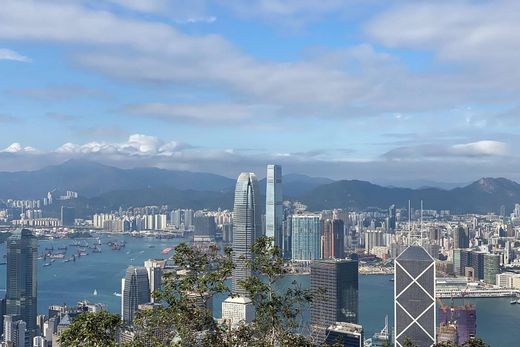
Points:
x=433, y=255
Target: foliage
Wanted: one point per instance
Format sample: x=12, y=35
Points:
x=92, y=329
x=278, y=313
x=186, y=295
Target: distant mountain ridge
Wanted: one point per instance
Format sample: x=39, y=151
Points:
x=102, y=186
x=482, y=196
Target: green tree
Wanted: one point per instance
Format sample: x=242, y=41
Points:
x=92, y=329
x=186, y=319
x=278, y=312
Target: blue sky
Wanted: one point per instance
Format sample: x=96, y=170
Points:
x=387, y=91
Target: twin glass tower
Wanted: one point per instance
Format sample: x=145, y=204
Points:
x=247, y=223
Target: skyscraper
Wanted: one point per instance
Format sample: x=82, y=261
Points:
x=135, y=290
x=68, y=214
x=414, y=297
x=460, y=237
x=246, y=226
x=20, y=297
x=15, y=331
x=274, y=207
x=305, y=237
x=154, y=268
x=333, y=239
x=339, y=279
x=491, y=267
x=392, y=219
x=204, y=227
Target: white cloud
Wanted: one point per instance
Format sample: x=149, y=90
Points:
x=7, y=54
x=17, y=148
x=478, y=150
x=481, y=148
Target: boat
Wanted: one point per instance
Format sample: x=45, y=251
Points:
x=117, y=294
x=62, y=248
x=95, y=292
x=513, y=302
x=47, y=264
x=167, y=250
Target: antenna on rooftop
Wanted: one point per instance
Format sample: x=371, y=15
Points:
x=409, y=222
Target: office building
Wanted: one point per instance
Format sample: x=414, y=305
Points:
x=20, y=297
x=463, y=317
x=339, y=279
x=135, y=290
x=491, y=268
x=274, y=205
x=414, y=297
x=461, y=237
x=392, y=219
x=305, y=237
x=68, y=214
x=15, y=331
x=154, y=268
x=236, y=310
x=333, y=239
x=204, y=227
x=347, y=334
x=246, y=227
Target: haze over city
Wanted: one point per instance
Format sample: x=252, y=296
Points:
x=385, y=91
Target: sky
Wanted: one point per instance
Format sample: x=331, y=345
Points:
x=393, y=92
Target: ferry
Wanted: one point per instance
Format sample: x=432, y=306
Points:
x=47, y=264
x=167, y=250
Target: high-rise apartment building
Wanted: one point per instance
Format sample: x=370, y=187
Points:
x=305, y=237
x=246, y=226
x=21, y=289
x=274, y=205
x=414, y=297
x=333, y=239
x=15, y=331
x=135, y=290
x=392, y=219
x=339, y=279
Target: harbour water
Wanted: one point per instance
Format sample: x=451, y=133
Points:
x=69, y=282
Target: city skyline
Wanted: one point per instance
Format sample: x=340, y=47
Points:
x=358, y=98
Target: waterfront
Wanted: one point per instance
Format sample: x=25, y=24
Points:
x=73, y=281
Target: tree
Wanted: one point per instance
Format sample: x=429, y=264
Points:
x=186, y=294
x=278, y=312
x=92, y=329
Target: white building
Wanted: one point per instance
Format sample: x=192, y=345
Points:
x=39, y=341
x=238, y=309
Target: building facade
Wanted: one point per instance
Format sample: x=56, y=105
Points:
x=274, y=205
x=246, y=227
x=333, y=239
x=305, y=237
x=414, y=297
x=135, y=290
x=21, y=279
x=339, y=279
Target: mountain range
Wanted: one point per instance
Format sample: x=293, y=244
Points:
x=107, y=187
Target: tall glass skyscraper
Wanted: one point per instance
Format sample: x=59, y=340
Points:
x=246, y=226
x=306, y=237
x=135, y=290
x=274, y=207
x=20, y=297
x=414, y=297
x=339, y=279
